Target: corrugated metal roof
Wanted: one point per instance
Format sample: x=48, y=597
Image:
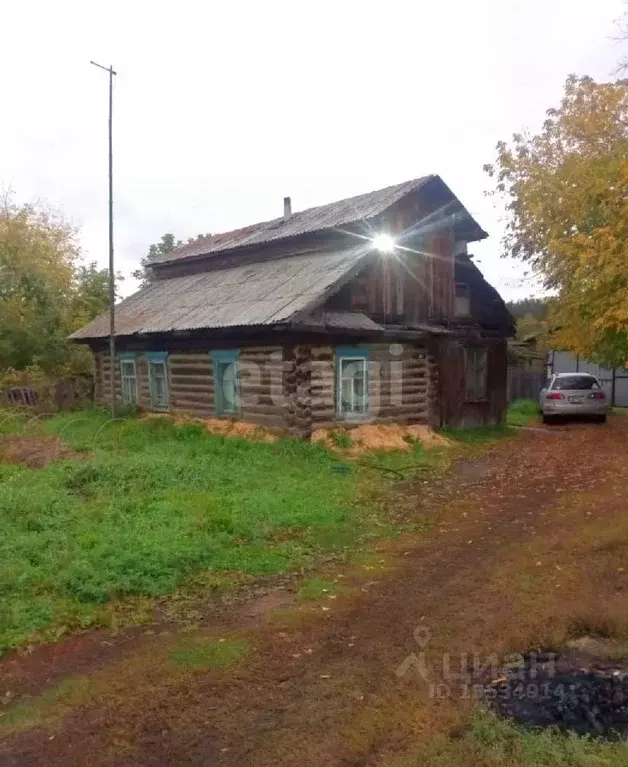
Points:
x=262, y=293
x=334, y=214
x=350, y=321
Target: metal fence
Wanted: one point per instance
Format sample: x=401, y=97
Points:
x=614, y=382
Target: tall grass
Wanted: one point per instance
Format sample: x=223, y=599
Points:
x=523, y=412
x=149, y=504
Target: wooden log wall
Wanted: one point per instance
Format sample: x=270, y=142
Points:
x=398, y=385
x=434, y=395
x=103, y=387
x=323, y=386
x=289, y=388
x=297, y=389
x=191, y=383
x=102, y=380
x=98, y=378
x=143, y=384
x=294, y=387
x=261, y=385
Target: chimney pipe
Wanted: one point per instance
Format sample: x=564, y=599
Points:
x=287, y=207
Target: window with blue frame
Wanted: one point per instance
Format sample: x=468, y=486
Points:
x=158, y=380
x=128, y=378
x=226, y=364
x=352, y=386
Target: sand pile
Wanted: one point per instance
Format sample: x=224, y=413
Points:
x=394, y=436
x=243, y=429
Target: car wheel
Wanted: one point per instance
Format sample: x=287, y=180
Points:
x=548, y=419
x=601, y=418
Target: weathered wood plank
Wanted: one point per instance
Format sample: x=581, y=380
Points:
x=181, y=403
x=191, y=370
x=274, y=419
x=206, y=380
x=192, y=357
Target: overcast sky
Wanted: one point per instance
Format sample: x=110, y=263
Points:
x=223, y=108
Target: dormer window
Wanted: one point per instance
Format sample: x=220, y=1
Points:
x=462, y=303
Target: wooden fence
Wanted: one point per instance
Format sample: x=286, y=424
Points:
x=65, y=394
x=524, y=382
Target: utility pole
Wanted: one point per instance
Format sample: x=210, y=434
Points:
x=112, y=274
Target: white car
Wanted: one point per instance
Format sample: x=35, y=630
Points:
x=573, y=394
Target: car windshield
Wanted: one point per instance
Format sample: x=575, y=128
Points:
x=570, y=383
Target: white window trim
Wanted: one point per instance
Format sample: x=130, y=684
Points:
x=234, y=408
x=351, y=415
x=123, y=362
x=153, y=405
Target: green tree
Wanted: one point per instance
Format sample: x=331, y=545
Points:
x=46, y=292
x=535, y=307
x=166, y=245
x=156, y=251
x=38, y=256
x=565, y=194
x=531, y=316
x=91, y=293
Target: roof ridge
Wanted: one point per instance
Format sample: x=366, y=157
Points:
x=212, y=243
x=409, y=182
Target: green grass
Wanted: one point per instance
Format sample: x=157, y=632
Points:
x=493, y=742
x=523, y=412
x=341, y=438
x=148, y=508
x=205, y=655
x=418, y=460
x=151, y=505
x=317, y=588
x=479, y=435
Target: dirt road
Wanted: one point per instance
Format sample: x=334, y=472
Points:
x=527, y=546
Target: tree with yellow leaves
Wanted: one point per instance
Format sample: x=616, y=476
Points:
x=566, y=194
